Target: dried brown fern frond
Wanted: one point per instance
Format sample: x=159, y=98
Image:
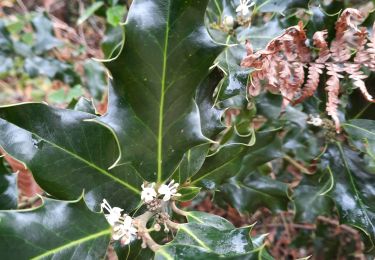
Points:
x=280, y=66
x=315, y=68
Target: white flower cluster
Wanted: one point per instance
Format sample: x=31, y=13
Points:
x=315, y=121
x=123, y=228
x=169, y=191
x=122, y=224
x=244, y=6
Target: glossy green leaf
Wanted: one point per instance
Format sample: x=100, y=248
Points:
x=269, y=105
x=208, y=236
x=191, y=163
x=229, y=160
x=353, y=191
x=210, y=114
x=8, y=187
x=67, y=152
x=225, y=242
x=256, y=191
x=55, y=230
x=83, y=105
x=209, y=219
x=310, y=197
x=188, y=193
x=167, y=52
x=112, y=41
x=259, y=36
x=362, y=134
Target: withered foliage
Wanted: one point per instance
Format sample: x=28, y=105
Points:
x=280, y=67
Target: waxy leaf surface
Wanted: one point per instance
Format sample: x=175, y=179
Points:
x=8, y=187
x=67, y=154
x=55, y=230
x=166, y=54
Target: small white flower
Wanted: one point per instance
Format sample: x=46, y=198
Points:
x=114, y=214
x=228, y=21
x=169, y=190
x=148, y=193
x=124, y=230
x=316, y=121
x=244, y=6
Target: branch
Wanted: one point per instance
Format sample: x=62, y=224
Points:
x=296, y=164
x=177, y=210
x=141, y=223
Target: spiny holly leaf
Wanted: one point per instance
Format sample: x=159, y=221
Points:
x=362, y=134
x=255, y=191
x=61, y=230
x=353, y=190
x=210, y=237
x=210, y=220
x=210, y=114
x=310, y=197
x=166, y=54
x=227, y=162
x=188, y=193
x=67, y=154
x=8, y=187
x=191, y=163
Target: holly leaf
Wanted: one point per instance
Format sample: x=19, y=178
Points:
x=255, y=191
x=8, y=187
x=352, y=192
x=361, y=133
x=188, y=193
x=56, y=229
x=67, y=152
x=210, y=237
x=227, y=162
x=167, y=52
x=310, y=197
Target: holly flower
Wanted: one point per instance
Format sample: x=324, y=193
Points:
x=148, y=193
x=244, y=6
x=113, y=215
x=124, y=230
x=169, y=190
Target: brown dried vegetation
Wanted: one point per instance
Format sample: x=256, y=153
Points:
x=280, y=66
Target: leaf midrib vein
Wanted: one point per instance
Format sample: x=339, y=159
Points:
x=161, y=107
x=72, y=243
x=106, y=173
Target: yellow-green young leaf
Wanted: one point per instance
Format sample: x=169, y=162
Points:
x=166, y=55
x=55, y=230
